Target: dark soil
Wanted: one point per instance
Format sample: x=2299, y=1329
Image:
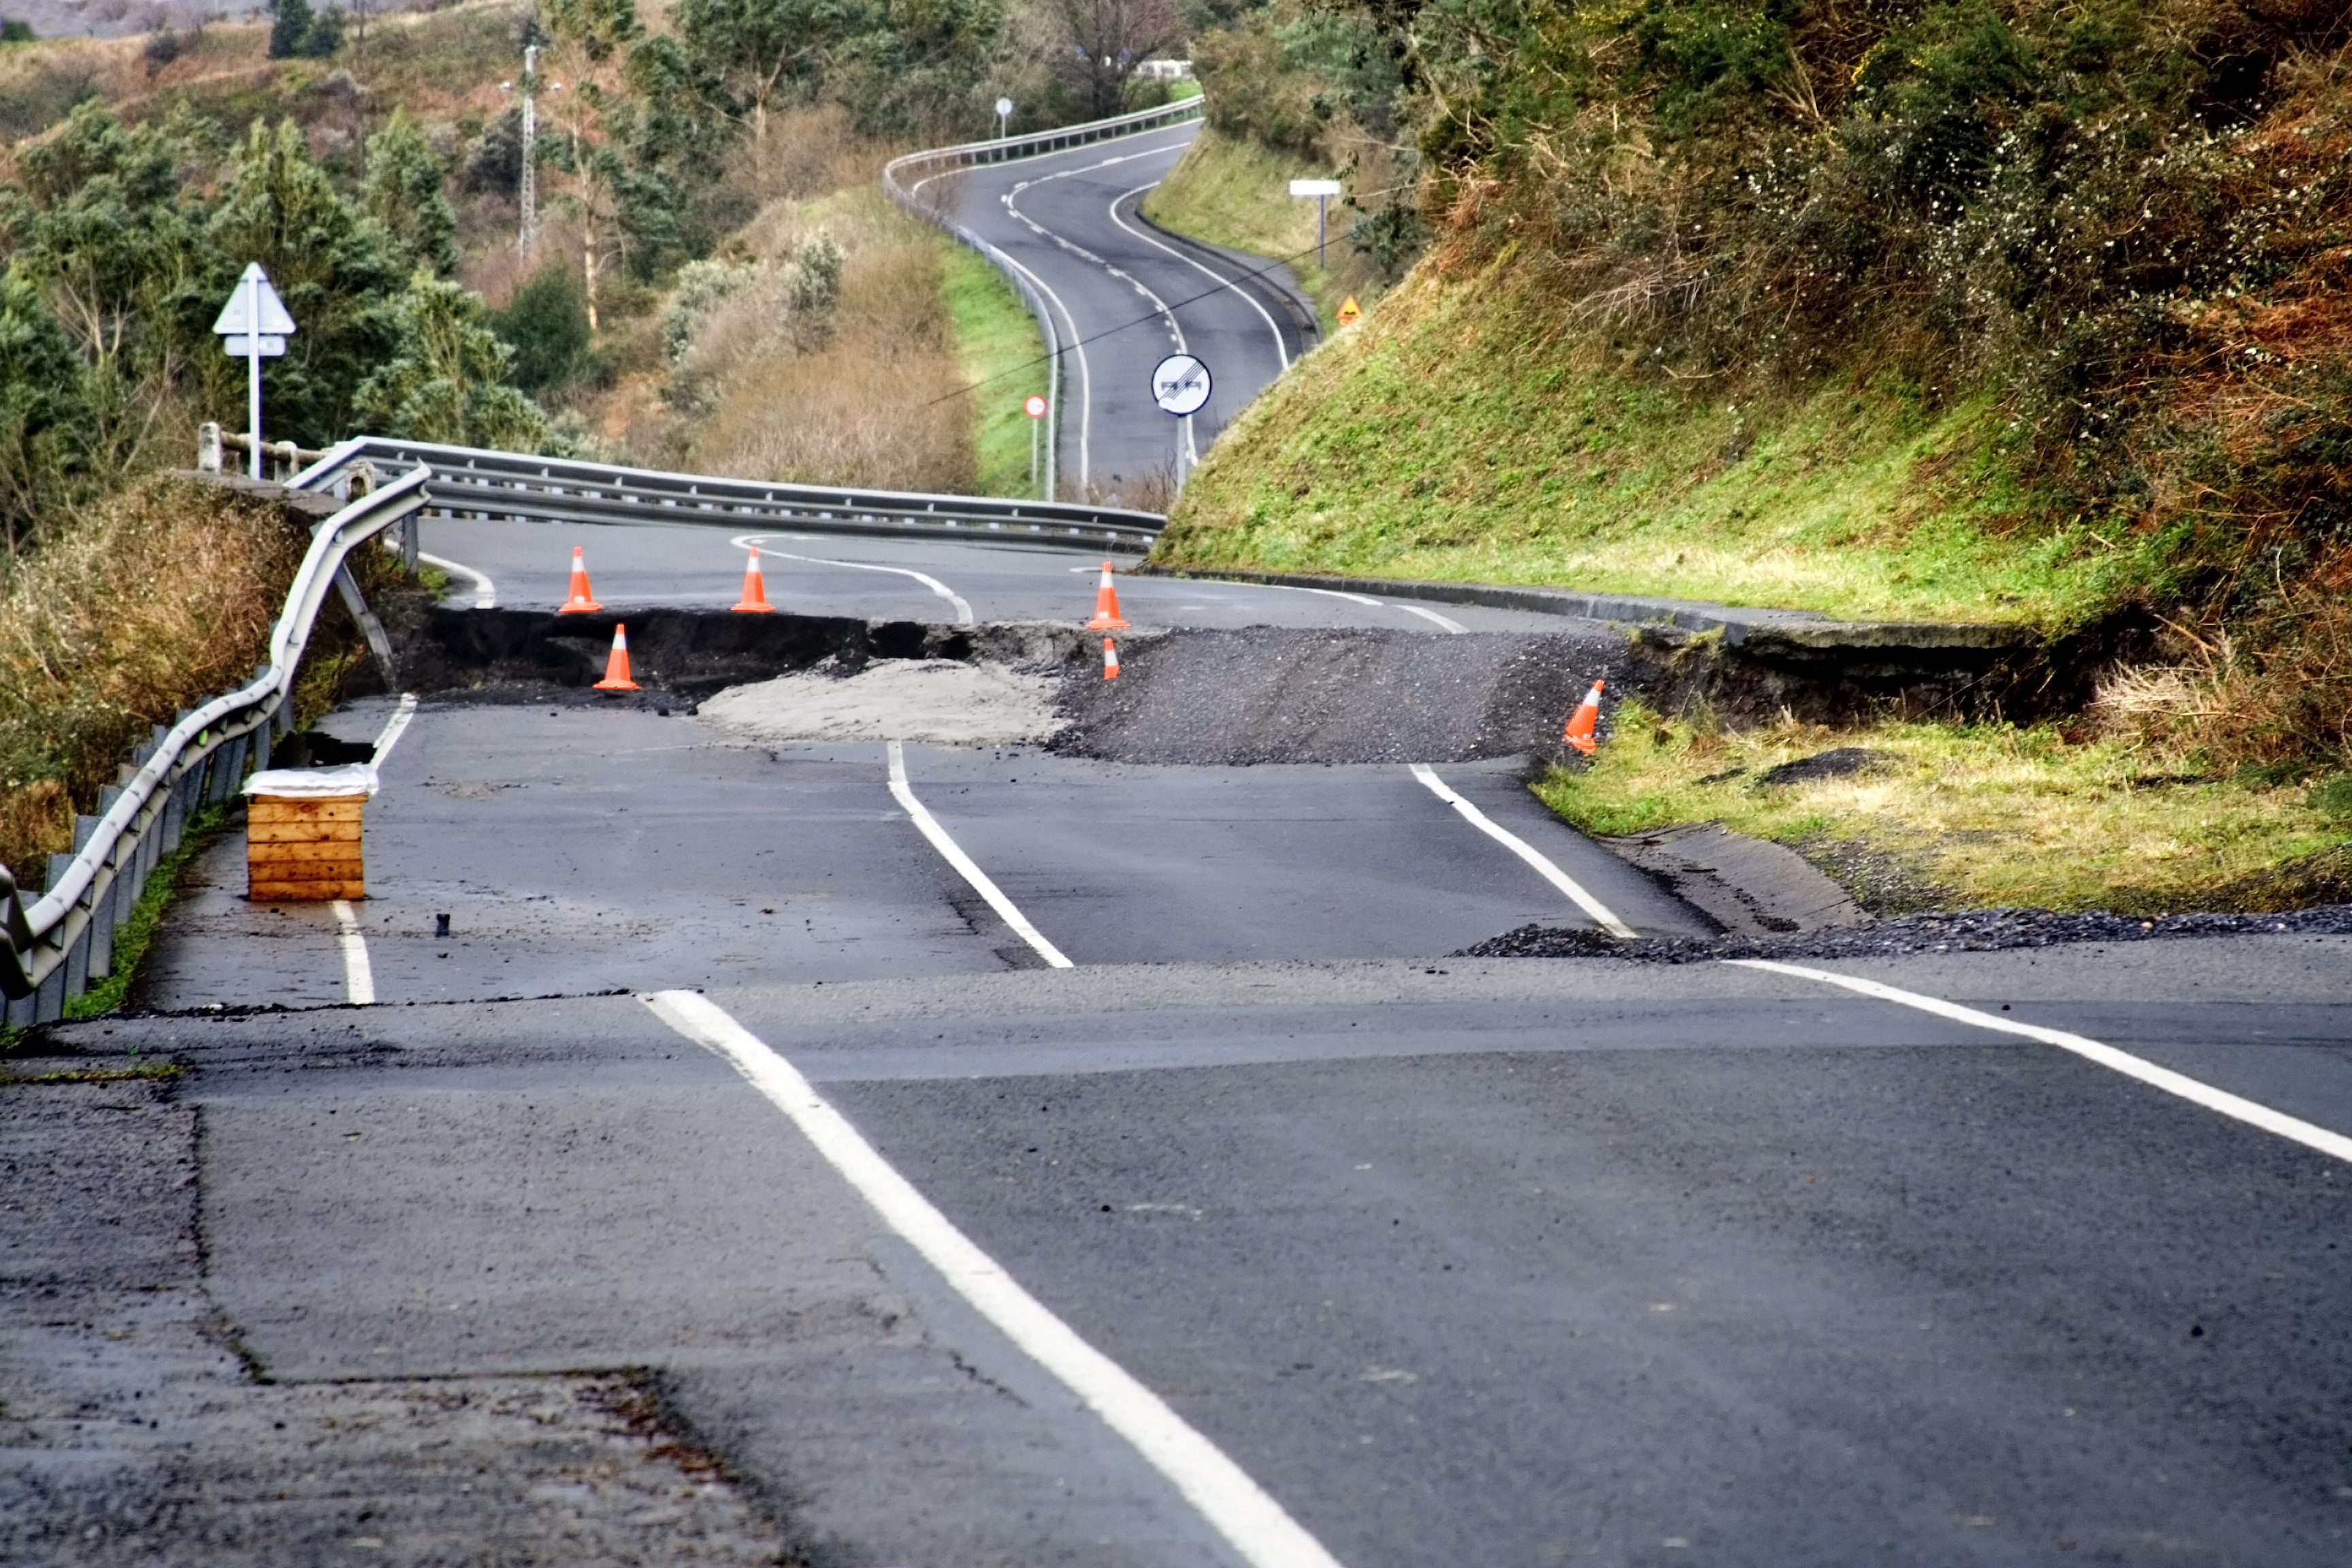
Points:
x=1974, y=930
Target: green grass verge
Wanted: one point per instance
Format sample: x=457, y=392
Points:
x=1004, y=361
x=1235, y=193
x=1452, y=436
x=1971, y=815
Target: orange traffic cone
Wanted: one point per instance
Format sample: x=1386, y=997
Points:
x=1584, y=721
x=580, y=603
x=755, y=591
x=1105, y=607
x=1110, y=659
x=616, y=664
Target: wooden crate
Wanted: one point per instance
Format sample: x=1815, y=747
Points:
x=303, y=851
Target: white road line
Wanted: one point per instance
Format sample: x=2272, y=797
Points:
x=2333, y=1145
x=394, y=728
x=1237, y=1507
x=1445, y=622
x=358, y=980
x=966, y=866
x=1281, y=349
x=486, y=593
x=1600, y=913
x=962, y=610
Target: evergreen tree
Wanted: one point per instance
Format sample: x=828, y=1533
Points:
x=290, y=28
x=403, y=193
x=446, y=378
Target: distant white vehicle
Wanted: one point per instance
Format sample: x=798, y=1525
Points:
x=1166, y=71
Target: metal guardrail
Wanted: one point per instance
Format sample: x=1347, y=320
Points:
x=918, y=167
x=465, y=482
x=55, y=947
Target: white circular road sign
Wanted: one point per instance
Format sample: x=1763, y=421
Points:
x=1180, y=384
x=1035, y=406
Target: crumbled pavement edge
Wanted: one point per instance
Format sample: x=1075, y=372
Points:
x=1971, y=930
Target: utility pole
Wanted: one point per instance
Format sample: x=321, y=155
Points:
x=529, y=145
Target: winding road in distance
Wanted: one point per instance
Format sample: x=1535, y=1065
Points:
x=1126, y=295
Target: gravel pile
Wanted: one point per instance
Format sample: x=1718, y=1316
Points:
x=1975, y=931
x=937, y=702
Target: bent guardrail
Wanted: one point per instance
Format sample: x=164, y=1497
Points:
x=927, y=165
x=65, y=938
x=465, y=482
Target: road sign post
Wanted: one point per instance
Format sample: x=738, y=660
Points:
x=1034, y=406
x=254, y=326
x=1322, y=191
x=1003, y=118
x=1180, y=386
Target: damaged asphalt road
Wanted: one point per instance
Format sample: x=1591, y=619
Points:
x=1481, y=1258
x=1474, y=1260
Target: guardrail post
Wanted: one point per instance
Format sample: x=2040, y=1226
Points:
x=49, y=1001
x=175, y=817
x=99, y=935
x=208, y=447
x=20, y=1012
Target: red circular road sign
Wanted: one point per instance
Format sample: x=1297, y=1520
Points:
x=1035, y=406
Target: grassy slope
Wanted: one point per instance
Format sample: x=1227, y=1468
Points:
x=1236, y=194
x=1443, y=438
x=1003, y=358
x=1979, y=814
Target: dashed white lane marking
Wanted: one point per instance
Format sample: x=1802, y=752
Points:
x=1237, y=1507
x=1600, y=913
x=2333, y=1145
x=966, y=866
x=1281, y=349
x=486, y=593
x=358, y=980
x=394, y=727
x=962, y=610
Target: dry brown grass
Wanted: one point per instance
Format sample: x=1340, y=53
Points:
x=879, y=405
x=162, y=595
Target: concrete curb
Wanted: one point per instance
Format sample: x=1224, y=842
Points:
x=1805, y=633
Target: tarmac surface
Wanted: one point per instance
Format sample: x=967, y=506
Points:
x=872, y=1153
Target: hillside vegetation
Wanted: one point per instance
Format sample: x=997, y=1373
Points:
x=1972, y=308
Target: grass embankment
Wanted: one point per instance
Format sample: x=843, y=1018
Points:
x=1230, y=191
x=1954, y=815
x=1003, y=363
x=1449, y=436
x=87, y=665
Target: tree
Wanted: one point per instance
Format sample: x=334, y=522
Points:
x=104, y=231
x=1107, y=40
x=546, y=324
x=290, y=28
x=755, y=49
x=587, y=38
x=403, y=193
x=45, y=439
x=332, y=264
x=447, y=378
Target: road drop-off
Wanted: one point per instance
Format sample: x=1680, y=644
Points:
x=933, y=700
